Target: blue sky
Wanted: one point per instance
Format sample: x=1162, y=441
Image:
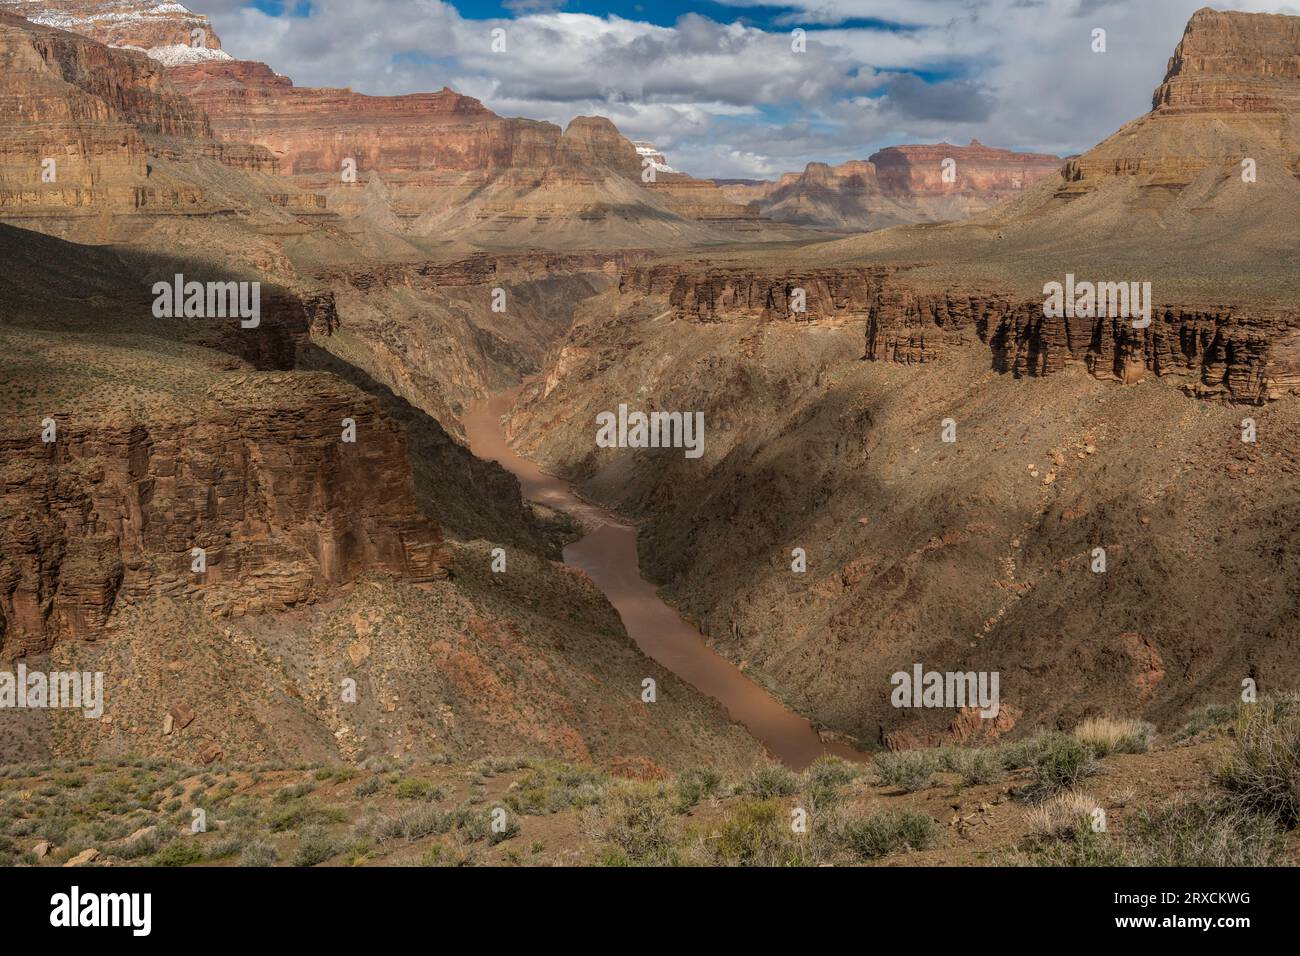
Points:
x=718, y=86
x=663, y=13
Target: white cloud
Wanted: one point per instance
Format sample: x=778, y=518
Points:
x=734, y=100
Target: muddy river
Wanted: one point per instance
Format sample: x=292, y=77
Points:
x=608, y=554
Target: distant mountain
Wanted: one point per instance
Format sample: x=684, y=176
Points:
x=900, y=184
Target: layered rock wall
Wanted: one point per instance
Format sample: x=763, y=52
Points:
x=78, y=114
x=720, y=295
x=258, y=477
x=1229, y=62
x=1246, y=355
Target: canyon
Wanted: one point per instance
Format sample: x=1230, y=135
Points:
x=824, y=367
x=1071, y=433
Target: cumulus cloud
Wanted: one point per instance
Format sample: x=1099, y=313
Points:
x=729, y=99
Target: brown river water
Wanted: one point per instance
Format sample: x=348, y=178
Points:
x=608, y=554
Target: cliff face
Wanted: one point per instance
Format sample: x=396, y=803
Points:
x=85, y=124
x=312, y=131
x=981, y=171
x=1229, y=62
x=1243, y=354
x=443, y=164
x=718, y=295
x=900, y=184
x=257, y=476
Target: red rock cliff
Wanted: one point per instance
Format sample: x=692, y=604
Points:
x=256, y=474
x=1233, y=62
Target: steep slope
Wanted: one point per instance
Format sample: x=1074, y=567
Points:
x=329, y=618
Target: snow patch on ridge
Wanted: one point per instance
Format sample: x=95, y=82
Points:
x=657, y=159
x=178, y=54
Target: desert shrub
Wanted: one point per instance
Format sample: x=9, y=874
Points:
x=891, y=831
x=508, y=828
x=258, y=853
x=299, y=813
x=412, y=788
x=356, y=853
x=637, y=825
x=908, y=769
x=694, y=785
x=447, y=855
x=770, y=779
x=225, y=845
x=144, y=845
x=369, y=787
x=291, y=793
x=976, y=765
x=1185, y=832
x=180, y=852
x=472, y=823
x=550, y=786
x=1115, y=735
x=1262, y=770
x=1018, y=754
x=315, y=846
x=1062, y=816
x=1209, y=717
x=10, y=854
x=491, y=766
x=754, y=833
x=1061, y=763
x=1203, y=833
x=414, y=824
x=824, y=777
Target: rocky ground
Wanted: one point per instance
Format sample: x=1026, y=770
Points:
x=1104, y=795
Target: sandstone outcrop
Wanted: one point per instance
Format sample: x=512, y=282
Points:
x=715, y=295
x=78, y=114
x=1246, y=354
x=312, y=131
x=257, y=475
x=1230, y=62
